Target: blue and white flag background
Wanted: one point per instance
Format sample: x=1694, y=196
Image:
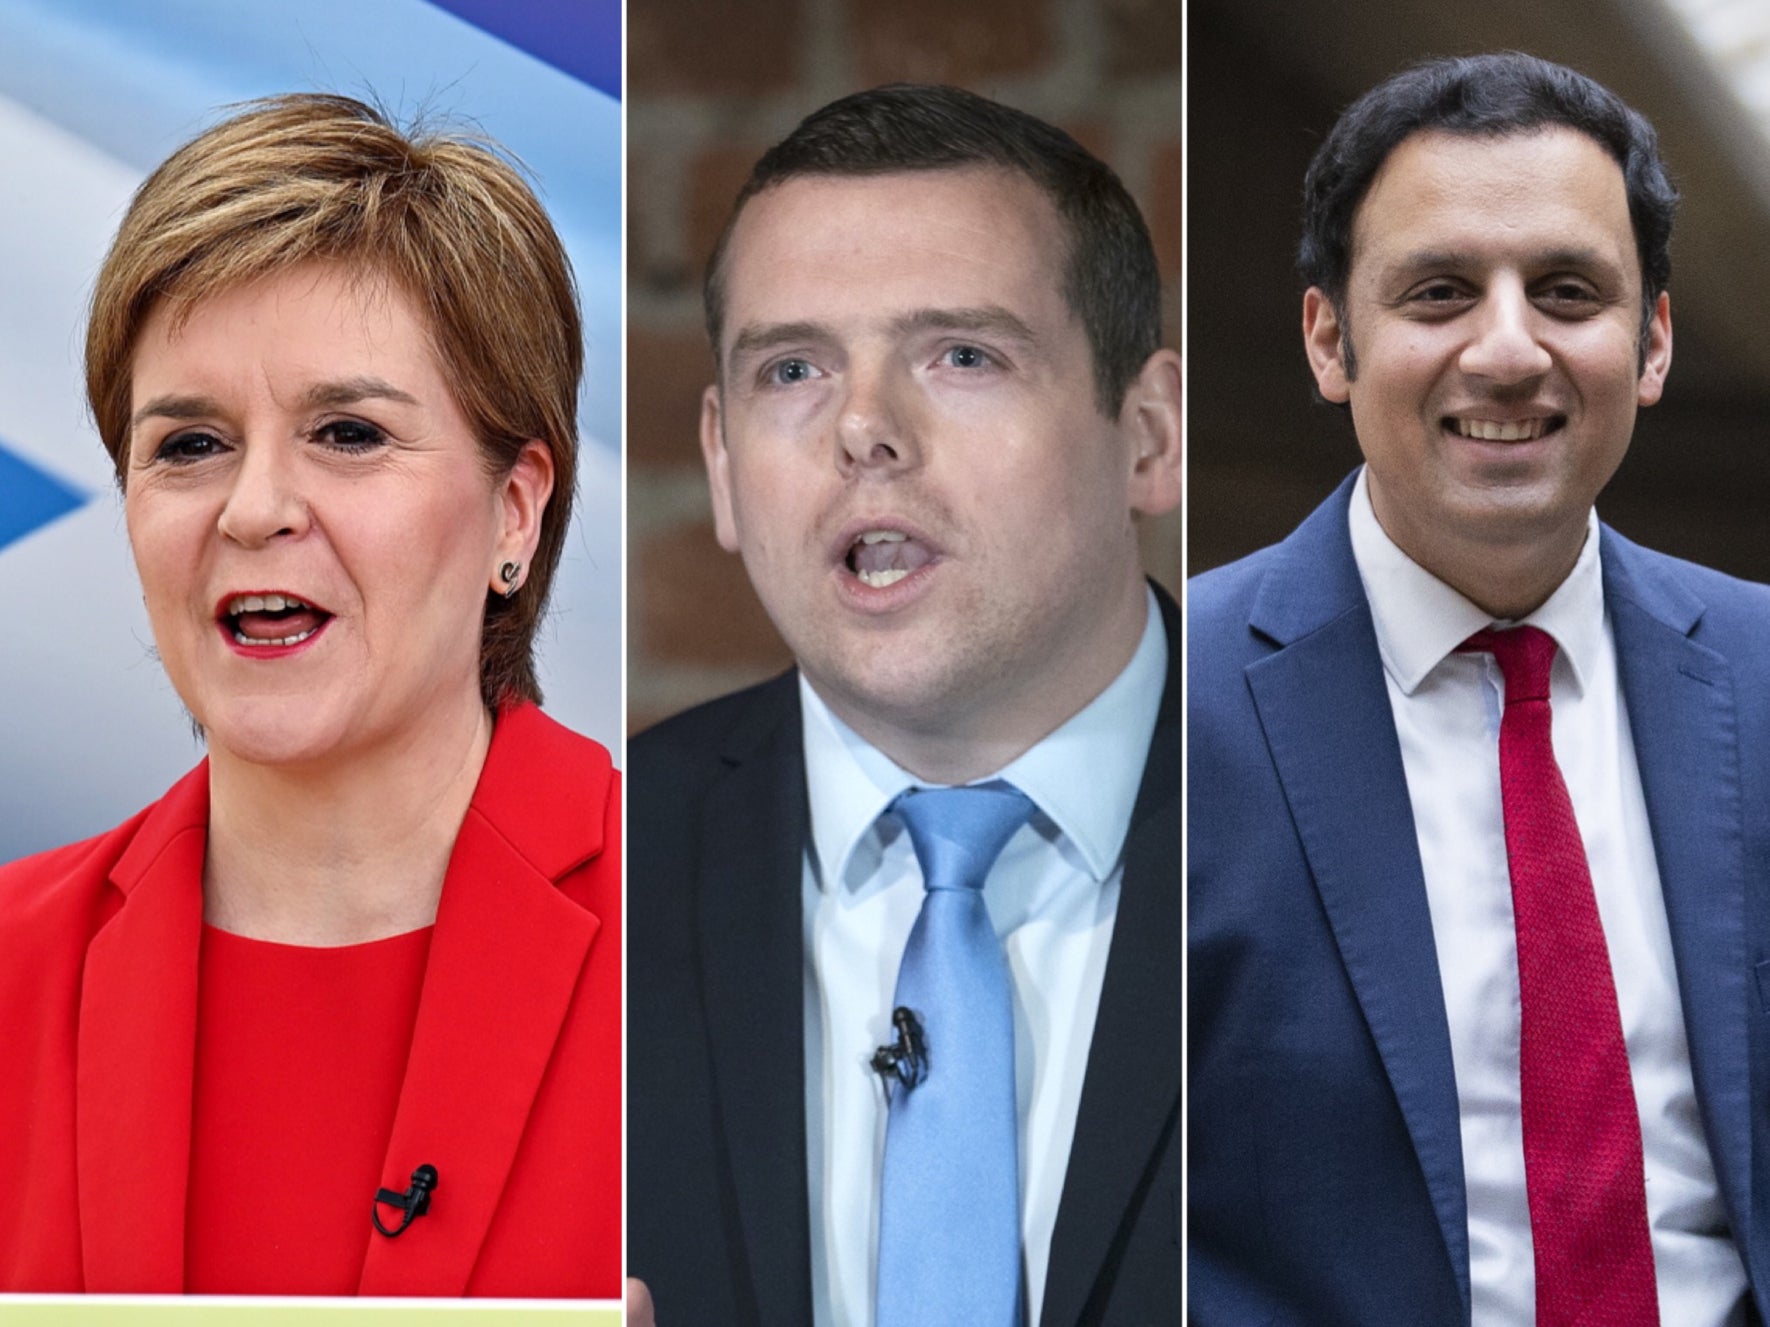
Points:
x=93, y=95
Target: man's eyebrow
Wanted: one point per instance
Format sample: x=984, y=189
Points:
x=990, y=319
x=1583, y=256
x=1457, y=260
x=767, y=336
x=987, y=319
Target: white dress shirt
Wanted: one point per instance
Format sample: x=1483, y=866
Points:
x=1052, y=897
x=1447, y=709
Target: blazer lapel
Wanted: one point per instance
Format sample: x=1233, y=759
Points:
x=1130, y=1103
x=137, y=1050
x=1682, y=717
x=750, y=936
x=1324, y=707
x=505, y=959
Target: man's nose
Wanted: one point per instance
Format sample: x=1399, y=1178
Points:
x=875, y=429
x=264, y=500
x=1506, y=345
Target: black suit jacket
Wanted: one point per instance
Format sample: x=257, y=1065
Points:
x=717, y=1193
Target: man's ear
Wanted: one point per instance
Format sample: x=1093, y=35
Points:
x=718, y=469
x=523, y=495
x=1151, y=416
x=1657, y=362
x=1324, y=340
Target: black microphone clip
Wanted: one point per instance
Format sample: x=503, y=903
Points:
x=905, y=1060
x=414, y=1202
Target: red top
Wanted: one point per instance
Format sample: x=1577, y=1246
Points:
x=300, y=1056
x=511, y=1082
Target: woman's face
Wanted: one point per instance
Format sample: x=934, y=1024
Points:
x=311, y=517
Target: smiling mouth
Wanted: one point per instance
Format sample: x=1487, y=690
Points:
x=271, y=620
x=1506, y=430
x=881, y=558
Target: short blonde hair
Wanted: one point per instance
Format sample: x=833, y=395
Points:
x=445, y=215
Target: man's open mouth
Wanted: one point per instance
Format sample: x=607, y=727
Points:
x=268, y=620
x=1507, y=430
x=879, y=558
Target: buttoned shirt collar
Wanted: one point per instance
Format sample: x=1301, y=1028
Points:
x=1419, y=619
x=1083, y=776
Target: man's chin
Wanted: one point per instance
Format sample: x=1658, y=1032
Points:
x=914, y=689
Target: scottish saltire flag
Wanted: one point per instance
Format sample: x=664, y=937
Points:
x=93, y=95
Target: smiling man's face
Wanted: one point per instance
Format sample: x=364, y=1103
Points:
x=1494, y=302
x=907, y=450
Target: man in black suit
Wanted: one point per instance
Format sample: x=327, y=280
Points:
x=940, y=408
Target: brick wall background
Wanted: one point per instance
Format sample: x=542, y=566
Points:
x=711, y=84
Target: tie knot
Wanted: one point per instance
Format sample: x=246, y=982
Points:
x=1524, y=654
x=959, y=832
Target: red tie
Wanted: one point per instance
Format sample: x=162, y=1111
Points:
x=1582, y=1137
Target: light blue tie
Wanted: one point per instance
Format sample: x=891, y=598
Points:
x=949, y=1211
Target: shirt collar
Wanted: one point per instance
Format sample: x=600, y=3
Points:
x=850, y=782
x=1420, y=620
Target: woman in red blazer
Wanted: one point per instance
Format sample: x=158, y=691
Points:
x=341, y=1012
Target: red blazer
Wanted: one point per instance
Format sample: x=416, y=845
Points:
x=512, y=1089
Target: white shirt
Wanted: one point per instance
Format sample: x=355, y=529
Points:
x=1447, y=709
x=1052, y=897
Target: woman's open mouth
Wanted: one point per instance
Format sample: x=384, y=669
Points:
x=269, y=621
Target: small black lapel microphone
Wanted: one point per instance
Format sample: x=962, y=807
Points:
x=414, y=1202
x=905, y=1060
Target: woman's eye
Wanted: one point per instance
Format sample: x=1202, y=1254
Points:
x=186, y=447
x=350, y=435
x=789, y=371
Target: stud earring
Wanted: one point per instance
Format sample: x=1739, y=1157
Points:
x=508, y=574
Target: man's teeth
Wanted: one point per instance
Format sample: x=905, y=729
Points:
x=262, y=603
x=296, y=639
x=878, y=580
x=1494, y=430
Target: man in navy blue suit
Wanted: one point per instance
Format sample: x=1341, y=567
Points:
x=1478, y=973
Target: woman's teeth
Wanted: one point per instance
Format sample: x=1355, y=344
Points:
x=296, y=639
x=262, y=603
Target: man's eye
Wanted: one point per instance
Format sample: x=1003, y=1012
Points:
x=1440, y=292
x=350, y=435
x=967, y=357
x=789, y=371
x=188, y=446
x=1569, y=292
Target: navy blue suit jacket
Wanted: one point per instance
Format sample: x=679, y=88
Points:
x=1326, y=1181
x=717, y=1195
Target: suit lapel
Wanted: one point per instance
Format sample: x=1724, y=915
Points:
x=1130, y=1100
x=1324, y=708
x=1682, y=717
x=505, y=958
x=137, y=1050
x=750, y=930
